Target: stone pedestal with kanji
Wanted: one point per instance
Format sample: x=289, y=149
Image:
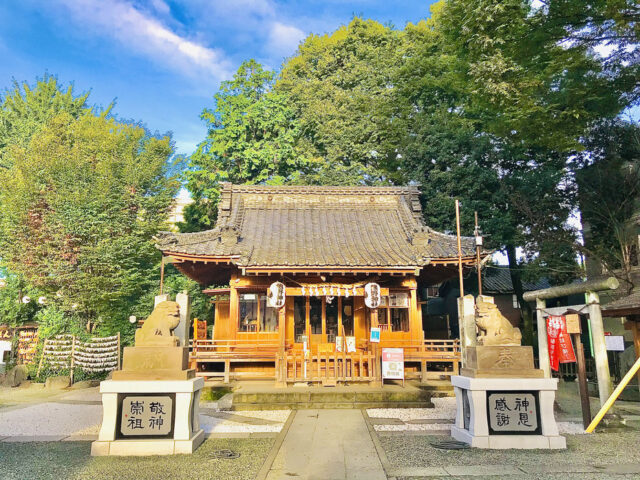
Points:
x=149, y=417
x=503, y=413
x=503, y=401
x=150, y=407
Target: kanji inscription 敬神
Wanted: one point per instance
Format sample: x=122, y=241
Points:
x=146, y=415
x=513, y=412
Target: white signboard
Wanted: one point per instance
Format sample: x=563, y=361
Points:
x=375, y=335
x=614, y=343
x=351, y=344
x=512, y=412
x=146, y=415
x=393, y=363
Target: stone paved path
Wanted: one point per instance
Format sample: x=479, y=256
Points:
x=327, y=445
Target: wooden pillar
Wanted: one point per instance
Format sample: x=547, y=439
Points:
x=234, y=309
x=324, y=319
x=340, y=329
x=543, y=346
x=281, y=364
x=415, y=323
x=599, y=347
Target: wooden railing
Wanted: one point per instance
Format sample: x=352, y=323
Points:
x=247, y=349
x=429, y=351
x=328, y=368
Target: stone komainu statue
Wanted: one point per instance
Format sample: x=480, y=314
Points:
x=157, y=329
x=494, y=328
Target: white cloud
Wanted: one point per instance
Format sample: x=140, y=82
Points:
x=161, y=7
x=284, y=39
x=146, y=35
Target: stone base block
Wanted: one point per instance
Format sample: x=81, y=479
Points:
x=131, y=413
x=504, y=442
x=504, y=413
x=154, y=374
x=503, y=373
x=147, y=447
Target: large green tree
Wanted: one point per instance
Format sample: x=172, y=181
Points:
x=25, y=109
x=342, y=89
x=608, y=181
x=252, y=138
x=527, y=82
x=459, y=144
x=81, y=204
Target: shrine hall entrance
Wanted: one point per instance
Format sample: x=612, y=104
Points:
x=326, y=323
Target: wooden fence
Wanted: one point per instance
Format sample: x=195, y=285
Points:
x=328, y=368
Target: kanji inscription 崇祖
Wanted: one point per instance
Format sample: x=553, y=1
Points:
x=512, y=412
x=146, y=415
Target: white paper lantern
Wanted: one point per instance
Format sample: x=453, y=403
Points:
x=372, y=295
x=276, y=296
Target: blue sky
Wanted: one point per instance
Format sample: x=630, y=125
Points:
x=163, y=60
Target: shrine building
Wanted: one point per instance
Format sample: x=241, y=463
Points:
x=324, y=245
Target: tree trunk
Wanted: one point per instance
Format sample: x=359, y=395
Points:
x=526, y=314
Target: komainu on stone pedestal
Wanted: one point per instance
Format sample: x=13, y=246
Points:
x=157, y=354
x=151, y=406
x=503, y=401
x=498, y=353
x=495, y=328
x=157, y=329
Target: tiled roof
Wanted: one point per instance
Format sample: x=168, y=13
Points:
x=261, y=226
x=629, y=305
x=498, y=280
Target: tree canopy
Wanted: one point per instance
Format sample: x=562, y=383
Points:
x=81, y=204
x=25, y=109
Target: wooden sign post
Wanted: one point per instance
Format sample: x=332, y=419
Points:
x=573, y=329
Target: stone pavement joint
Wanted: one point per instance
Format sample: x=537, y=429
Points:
x=619, y=468
x=473, y=470
x=418, y=472
x=559, y=468
x=34, y=438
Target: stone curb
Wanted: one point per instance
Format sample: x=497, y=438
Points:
x=266, y=466
x=504, y=470
x=382, y=455
x=241, y=435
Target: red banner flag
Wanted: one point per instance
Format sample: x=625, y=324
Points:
x=559, y=341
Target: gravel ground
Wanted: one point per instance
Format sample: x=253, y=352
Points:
x=600, y=448
x=72, y=460
x=445, y=408
x=49, y=419
x=223, y=425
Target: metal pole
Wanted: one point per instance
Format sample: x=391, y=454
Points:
x=459, y=248
x=478, y=246
x=614, y=396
